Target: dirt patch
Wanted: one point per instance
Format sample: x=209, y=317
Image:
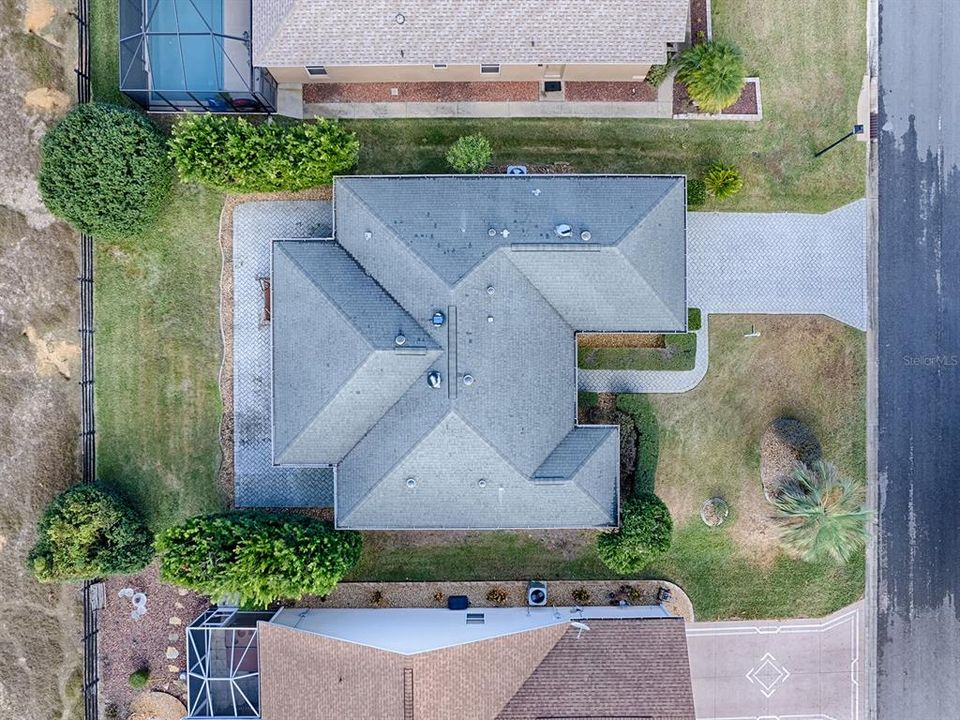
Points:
x=38, y=14
x=633, y=340
x=421, y=92
x=785, y=443
x=47, y=100
x=53, y=355
x=127, y=645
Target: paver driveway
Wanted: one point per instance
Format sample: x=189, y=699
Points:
x=779, y=669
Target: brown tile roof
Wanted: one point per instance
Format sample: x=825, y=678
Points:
x=617, y=669
x=344, y=32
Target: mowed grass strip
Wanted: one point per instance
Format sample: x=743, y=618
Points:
x=810, y=57
x=158, y=352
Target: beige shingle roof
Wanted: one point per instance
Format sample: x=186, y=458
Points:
x=345, y=32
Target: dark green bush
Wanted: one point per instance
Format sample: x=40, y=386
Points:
x=88, y=533
x=713, y=73
x=644, y=535
x=470, y=154
x=233, y=155
x=696, y=193
x=139, y=678
x=657, y=74
x=586, y=399
x=104, y=169
x=255, y=558
x=644, y=417
x=694, y=319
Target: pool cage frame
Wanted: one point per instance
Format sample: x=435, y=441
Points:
x=236, y=631
x=241, y=87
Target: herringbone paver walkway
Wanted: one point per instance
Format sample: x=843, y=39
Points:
x=258, y=482
x=776, y=263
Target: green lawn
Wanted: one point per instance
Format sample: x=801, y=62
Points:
x=810, y=57
x=679, y=354
x=158, y=352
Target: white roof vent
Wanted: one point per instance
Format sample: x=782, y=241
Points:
x=468, y=380
x=563, y=230
x=411, y=482
x=400, y=19
x=586, y=236
x=400, y=340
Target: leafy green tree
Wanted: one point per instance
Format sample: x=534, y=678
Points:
x=231, y=154
x=104, y=169
x=644, y=535
x=713, y=73
x=723, y=181
x=256, y=558
x=823, y=515
x=470, y=154
x=88, y=532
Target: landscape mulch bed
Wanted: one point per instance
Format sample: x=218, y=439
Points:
x=126, y=645
x=558, y=168
x=605, y=412
x=421, y=92
x=609, y=92
x=698, y=21
x=746, y=104
x=631, y=340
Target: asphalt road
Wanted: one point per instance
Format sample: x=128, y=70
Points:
x=918, y=572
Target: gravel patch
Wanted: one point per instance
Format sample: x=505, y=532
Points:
x=559, y=592
x=421, y=92
x=127, y=645
x=609, y=92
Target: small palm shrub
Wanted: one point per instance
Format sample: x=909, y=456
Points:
x=256, y=558
x=644, y=535
x=696, y=193
x=822, y=514
x=104, y=169
x=470, y=154
x=87, y=533
x=722, y=181
x=231, y=154
x=713, y=73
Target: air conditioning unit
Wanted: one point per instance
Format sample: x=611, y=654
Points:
x=536, y=593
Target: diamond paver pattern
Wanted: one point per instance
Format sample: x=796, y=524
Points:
x=776, y=263
x=258, y=482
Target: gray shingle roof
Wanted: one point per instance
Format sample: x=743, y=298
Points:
x=501, y=450
x=339, y=32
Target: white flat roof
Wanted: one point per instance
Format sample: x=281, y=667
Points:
x=415, y=630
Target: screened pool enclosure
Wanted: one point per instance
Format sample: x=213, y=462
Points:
x=191, y=55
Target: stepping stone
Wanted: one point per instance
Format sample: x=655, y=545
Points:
x=172, y=653
x=175, y=621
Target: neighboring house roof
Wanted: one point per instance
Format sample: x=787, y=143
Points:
x=405, y=32
x=514, y=667
x=502, y=451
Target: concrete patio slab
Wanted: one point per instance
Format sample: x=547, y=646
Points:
x=779, y=669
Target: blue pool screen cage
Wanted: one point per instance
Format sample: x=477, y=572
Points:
x=181, y=55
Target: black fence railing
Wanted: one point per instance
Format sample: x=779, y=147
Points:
x=93, y=596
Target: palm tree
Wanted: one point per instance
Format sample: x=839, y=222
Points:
x=722, y=181
x=713, y=73
x=822, y=514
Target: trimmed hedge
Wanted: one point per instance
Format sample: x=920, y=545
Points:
x=644, y=417
x=644, y=535
x=88, y=532
x=231, y=154
x=696, y=193
x=104, y=169
x=254, y=558
x=694, y=319
x=470, y=154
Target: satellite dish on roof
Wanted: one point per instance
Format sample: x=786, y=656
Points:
x=579, y=626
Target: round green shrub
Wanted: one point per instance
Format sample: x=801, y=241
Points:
x=713, y=73
x=657, y=74
x=231, y=154
x=139, y=678
x=722, y=181
x=86, y=533
x=255, y=558
x=104, y=169
x=470, y=154
x=696, y=192
x=644, y=535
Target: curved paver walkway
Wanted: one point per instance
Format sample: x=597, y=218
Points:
x=779, y=669
x=766, y=263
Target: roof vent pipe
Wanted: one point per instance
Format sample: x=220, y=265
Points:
x=586, y=236
x=434, y=379
x=563, y=230
x=400, y=340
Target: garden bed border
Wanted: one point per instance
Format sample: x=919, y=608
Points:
x=742, y=117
